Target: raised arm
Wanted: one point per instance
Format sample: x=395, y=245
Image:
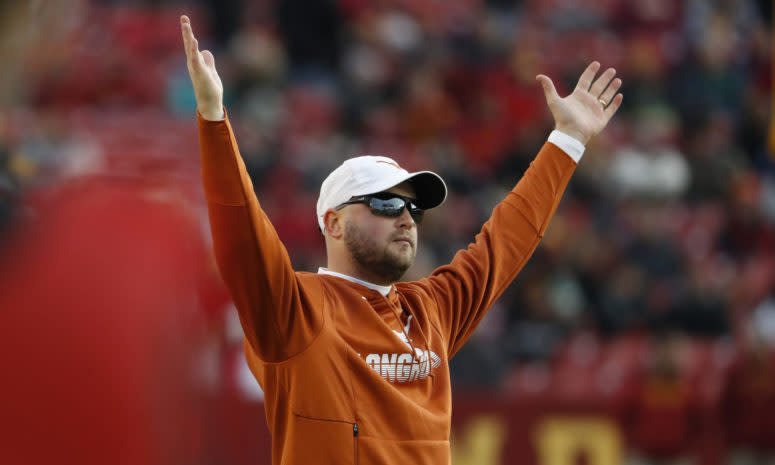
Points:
x=467, y=287
x=252, y=261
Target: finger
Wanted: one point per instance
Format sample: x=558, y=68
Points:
x=613, y=106
x=586, y=77
x=186, y=32
x=610, y=91
x=549, y=91
x=190, y=44
x=602, y=82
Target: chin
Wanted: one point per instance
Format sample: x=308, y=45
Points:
x=395, y=267
x=402, y=258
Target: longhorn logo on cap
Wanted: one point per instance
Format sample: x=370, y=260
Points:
x=391, y=164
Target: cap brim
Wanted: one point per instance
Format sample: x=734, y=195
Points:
x=429, y=188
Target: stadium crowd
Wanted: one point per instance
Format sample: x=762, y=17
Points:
x=657, y=273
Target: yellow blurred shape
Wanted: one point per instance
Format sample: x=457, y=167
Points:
x=563, y=440
x=481, y=442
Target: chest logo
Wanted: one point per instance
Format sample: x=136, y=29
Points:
x=404, y=367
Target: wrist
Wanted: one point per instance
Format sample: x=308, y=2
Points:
x=212, y=113
x=572, y=147
x=578, y=135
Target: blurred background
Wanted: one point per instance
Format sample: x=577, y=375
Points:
x=642, y=331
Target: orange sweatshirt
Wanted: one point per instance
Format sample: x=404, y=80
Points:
x=351, y=376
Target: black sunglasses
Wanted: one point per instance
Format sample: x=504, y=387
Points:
x=388, y=204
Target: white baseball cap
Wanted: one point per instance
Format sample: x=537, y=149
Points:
x=370, y=174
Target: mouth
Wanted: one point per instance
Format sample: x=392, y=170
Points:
x=404, y=239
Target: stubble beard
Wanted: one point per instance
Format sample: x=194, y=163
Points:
x=374, y=259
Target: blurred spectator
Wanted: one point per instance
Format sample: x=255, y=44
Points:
x=311, y=31
x=226, y=17
x=662, y=415
x=651, y=166
x=8, y=182
x=747, y=232
x=748, y=401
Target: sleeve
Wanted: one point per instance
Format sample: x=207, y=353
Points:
x=466, y=288
x=276, y=313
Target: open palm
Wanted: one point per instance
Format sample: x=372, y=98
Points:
x=587, y=110
x=208, y=88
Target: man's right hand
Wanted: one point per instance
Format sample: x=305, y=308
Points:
x=208, y=88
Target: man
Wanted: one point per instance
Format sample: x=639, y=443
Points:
x=353, y=363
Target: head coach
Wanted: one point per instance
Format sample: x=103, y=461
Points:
x=354, y=363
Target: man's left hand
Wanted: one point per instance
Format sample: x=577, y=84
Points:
x=586, y=111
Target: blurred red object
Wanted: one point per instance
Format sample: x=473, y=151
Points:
x=102, y=331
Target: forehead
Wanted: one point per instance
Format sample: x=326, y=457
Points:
x=405, y=189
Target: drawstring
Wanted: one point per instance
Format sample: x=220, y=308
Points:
x=406, y=334
x=409, y=341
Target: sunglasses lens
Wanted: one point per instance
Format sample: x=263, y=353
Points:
x=417, y=214
x=393, y=207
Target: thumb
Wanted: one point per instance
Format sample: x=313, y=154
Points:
x=549, y=91
x=208, y=58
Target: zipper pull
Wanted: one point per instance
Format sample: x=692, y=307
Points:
x=355, y=429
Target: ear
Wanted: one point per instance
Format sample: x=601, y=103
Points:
x=334, y=223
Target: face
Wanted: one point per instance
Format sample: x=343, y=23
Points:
x=382, y=248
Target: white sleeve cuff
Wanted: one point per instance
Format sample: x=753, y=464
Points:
x=572, y=147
